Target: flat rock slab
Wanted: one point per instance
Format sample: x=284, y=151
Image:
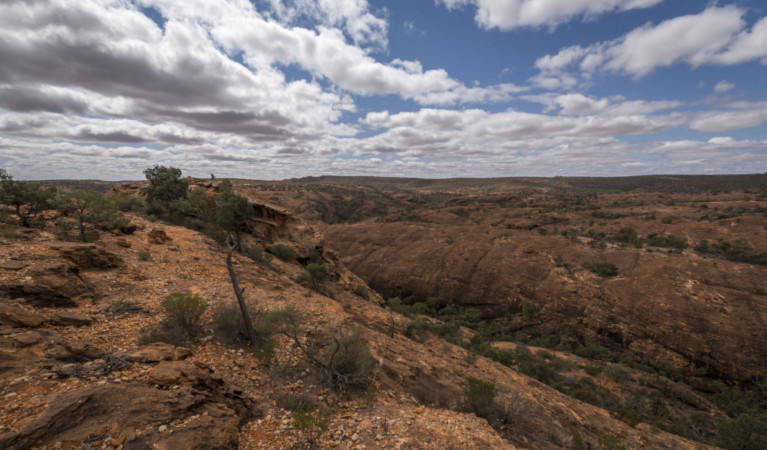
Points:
x=70, y=319
x=156, y=352
x=168, y=373
x=13, y=265
x=14, y=316
x=88, y=256
x=214, y=411
x=28, y=338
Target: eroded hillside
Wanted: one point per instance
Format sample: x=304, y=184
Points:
x=79, y=369
x=663, y=275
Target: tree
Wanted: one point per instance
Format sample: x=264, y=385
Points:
x=165, y=185
x=233, y=213
x=238, y=293
x=94, y=208
x=28, y=198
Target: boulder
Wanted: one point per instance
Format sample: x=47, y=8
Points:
x=168, y=373
x=88, y=256
x=48, y=283
x=16, y=317
x=156, y=352
x=208, y=415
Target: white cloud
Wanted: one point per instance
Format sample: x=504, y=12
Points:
x=716, y=36
x=510, y=14
x=723, y=86
x=728, y=120
x=354, y=16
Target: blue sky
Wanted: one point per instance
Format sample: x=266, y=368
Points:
x=275, y=89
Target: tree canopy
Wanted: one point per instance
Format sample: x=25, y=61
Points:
x=165, y=185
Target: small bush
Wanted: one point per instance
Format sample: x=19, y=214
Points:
x=348, y=361
x=318, y=273
x=603, y=269
x=362, y=291
x=748, y=431
x=480, y=397
x=8, y=232
x=282, y=252
x=414, y=326
x=230, y=328
x=144, y=255
x=184, y=311
x=181, y=322
x=395, y=304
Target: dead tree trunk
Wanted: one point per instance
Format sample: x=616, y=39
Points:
x=238, y=292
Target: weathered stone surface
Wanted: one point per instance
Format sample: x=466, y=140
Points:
x=70, y=319
x=158, y=236
x=28, y=338
x=73, y=416
x=13, y=265
x=48, y=283
x=88, y=256
x=156, y=352
x=16, y=317
x=168, y=373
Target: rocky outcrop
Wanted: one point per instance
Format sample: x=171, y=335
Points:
x=14, y=316
x=88, y=256
x=137, y=416
x=156, y=352
x=48, y=283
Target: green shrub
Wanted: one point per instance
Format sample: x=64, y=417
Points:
x=414, y=326
x=603, y=269
x=593, y=350
x=628, y=235
x=668, y=240
x=144, y=255
x=8, y=232
x=348, y=361
x=318, y=273
x=310, y=419
x=181, y=321
x=362, y=291
x=608, y=442
x=748, y=431
x=184, y=310
x=395, y=304
x=480, y=397
x=282, y=252
x=618, y=372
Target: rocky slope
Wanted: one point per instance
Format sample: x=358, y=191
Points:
x=74, y=372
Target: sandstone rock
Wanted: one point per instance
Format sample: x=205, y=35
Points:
x=158, y=236
x=28, y=338
x=48, y=283
x=13, y=265
x=88, y=256
x=70, y=319
x=16, y=317
x=156, y=352
x=176, y=372
x=123, y=408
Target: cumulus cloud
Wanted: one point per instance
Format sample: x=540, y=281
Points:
x=510, y=14
x=723, y=87
x=353, y=16
x=716, y=36
x=101, y=89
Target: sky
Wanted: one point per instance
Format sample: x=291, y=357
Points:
x=277, y=89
